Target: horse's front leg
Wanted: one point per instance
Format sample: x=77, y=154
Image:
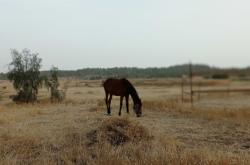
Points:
x=109, y=104
x=121, y=99
x=106, y=101
x=127, y=103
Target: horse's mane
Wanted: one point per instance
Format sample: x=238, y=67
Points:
x=132, y=91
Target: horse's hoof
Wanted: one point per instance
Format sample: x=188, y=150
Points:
x=107, y=114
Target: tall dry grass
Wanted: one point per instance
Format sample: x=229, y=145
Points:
x=211, y=113
x=74, y=148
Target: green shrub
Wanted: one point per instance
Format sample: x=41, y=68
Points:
x=24, y=73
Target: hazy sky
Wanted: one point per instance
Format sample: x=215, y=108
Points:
x=73, y=34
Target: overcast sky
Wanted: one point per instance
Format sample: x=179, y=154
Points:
x=73, y=34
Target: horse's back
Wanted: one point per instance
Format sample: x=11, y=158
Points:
x=115, y=86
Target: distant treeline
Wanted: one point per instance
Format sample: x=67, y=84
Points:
x=131, y=72
x=163, y=72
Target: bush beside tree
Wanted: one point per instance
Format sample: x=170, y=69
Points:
x=52, y=84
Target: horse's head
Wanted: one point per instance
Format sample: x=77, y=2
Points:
x=137, y=108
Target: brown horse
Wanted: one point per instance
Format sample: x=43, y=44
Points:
x=122, y=88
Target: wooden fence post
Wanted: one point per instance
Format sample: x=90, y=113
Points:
x=199, y=87
x=191, y=82
x=182, y=89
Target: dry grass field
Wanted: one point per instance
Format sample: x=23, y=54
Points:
x=215, y=131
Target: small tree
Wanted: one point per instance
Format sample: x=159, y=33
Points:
x=52, y=84
x=25, y=75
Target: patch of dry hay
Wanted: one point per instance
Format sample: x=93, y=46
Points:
x=118, y=131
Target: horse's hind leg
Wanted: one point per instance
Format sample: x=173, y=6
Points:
x=121, y=99
x=127, y=105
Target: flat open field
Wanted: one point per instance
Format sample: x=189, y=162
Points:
x=215, y=131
